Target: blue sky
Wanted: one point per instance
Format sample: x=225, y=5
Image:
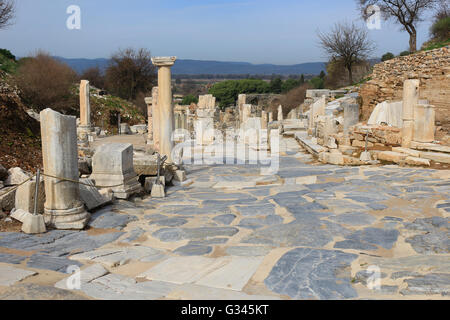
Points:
x=256, y=31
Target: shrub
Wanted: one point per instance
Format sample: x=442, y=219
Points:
x=317, y=83
x=440, y=30
x=227, y=92
x=387, y=56
x=404, y=53
x=187, y=100
x=47, y=83
x=95, y=77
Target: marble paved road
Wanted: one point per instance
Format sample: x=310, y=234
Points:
x=308, y=231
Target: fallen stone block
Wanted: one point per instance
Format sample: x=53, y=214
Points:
x=25, y=195
x=336, y=158
x=411, y=152
x=436, y=156
x=91, y=197
x=7, y=198
x=146, y=166
x=16, y=176
x=19, y=214
x=391, y=156
x=413, y=161
x=34, y=224
x=361, y=144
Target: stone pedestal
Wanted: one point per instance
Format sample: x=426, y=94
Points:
x=424, y=123
x=165, y=106
x=410, y=101
x=112, y=168
x=63, y=208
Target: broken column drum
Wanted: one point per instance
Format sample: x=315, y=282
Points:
x=63, y=208
x=112, y=166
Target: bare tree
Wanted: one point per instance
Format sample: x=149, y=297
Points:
x=7, y=12
x=130, y=72
x=408, y=13
x=348, y=44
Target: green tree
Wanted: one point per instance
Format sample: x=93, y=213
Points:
x=275, y=85
x=322, y=74
x=317, y=83
x=227, y=92
x=289, y=84
x=302, y=79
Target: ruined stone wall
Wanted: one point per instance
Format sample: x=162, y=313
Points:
x=431, y=67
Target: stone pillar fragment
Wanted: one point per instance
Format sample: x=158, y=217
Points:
x=264, y=120
x=280, y=113
x=112, y=168
x=155, y=118
x=165, y=106
x=424, y=123
x=246, y=113
x=149, y=102
x=410, y=100
x=270, y=116
x=63, y=208
x=85, y=107
x=351, y=115
x=242, y=99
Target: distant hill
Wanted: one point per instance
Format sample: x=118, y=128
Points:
x=192, y=67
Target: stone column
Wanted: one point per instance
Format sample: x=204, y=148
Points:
x=165, y=105
x=242, y=99
x=270, y=116
x=85, y=111
x=263, y=120
x=63, y=208
x=246, y=113
x=424, y=123
x=148, y=102
x=410, y=101
x=280, y=113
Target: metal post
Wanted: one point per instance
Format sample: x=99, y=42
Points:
x=118, y=123
x=158, y=166
x=36, y=194
x=367, y=138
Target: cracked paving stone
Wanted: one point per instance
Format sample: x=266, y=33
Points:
x=11, y=258
x=133, y=235
x=252, y=251
x=313, y=274
x=256, y=210
x=193, y=250
x=433, y=283
x=208, y=242
x=368, y=238
x=256, y=223
x=105, y=219
x=404, y=274
x=225, y=219
x=10, y=275
x=183, y=210
x=177, y=234
x=57, y=243
x=377, y=206
x=170, y=222
x=297, y=233
x=354, y=219
x=435, y=237
x=46, y=262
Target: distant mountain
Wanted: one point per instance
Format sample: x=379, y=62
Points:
x=192, y=67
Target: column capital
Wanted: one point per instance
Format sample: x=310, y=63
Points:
x=164, y=61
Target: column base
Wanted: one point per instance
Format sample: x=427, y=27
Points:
x=130, y=184
x=70, y=219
